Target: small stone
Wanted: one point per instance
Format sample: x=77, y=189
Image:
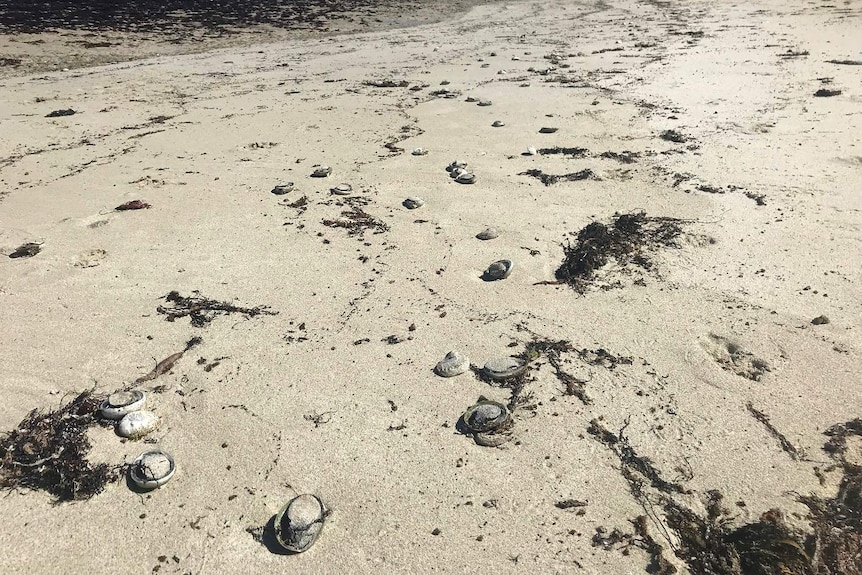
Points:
x=547, y=130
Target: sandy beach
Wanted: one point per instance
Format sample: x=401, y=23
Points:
x=679, y=381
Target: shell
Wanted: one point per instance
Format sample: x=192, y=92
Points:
x=471, y=99
x=413, y=202
x=456, y=164
x=282, y=188
x=465, y=178
x=137, y=424
x=498, y=124
x=321, y=171
x=484, y=103
x=488, y=234
x=152, y=469
x=453, y=364
x=504, y=368
x=547, y=130
x=498, y=270
x=342, y=189
x=457, y=172
x=419, y=152
x=121, y=403
x=299, y=522
x=531, y=151
x=486, y=416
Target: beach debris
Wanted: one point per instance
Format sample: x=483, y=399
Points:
x=387, y=83
x=419, y=152
x=573, y=152
x=152, y=469
x=788, y=447
x=820, y=320
x=356, y=221
x=342, y=189
x=497, y=124
x=827, y=92
x=456, y=165
x=167, y=364
x=483, y=103
x=673, y=136
x=549, y=179
x=26, y=250
x=137, y=424
x=444, y=93
x=133, y=205
x=547, y=130
x=120, y=403
x=846, y=62
x=488, y=234
x=465, y=178
x=453, y=364
x=413, y=202
x=471, y=99
x=48, y=451
x=488, y=422
x=624, y=157
x=629, y=240
x=203, y=310
x=321, y=171
x=498, y=270
x=61, y=113
x=299, y=522
x=503, y=368
x=732, y=357
x=282, y=188
x=531, y=151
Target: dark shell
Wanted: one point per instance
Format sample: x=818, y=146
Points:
x=299, y=522
x=486, y=416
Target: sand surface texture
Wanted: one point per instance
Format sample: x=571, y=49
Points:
x=335, y=393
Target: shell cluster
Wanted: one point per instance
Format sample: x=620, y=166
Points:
x=458, y=172
x=299, y=522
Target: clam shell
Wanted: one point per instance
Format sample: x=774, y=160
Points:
x=419, y=152
x=121, y=403
x=504, y=368
x=321, y=171
x=413, y=202
x=282, y=188
x=531, y=151
x=498, y=270
x=471, y=99
x=456, y=164
x=465, y=178
x=488, y=234
x=484, y=103
x=547, y=130
x=342, y=189
x=137, y=424
x=299, y=522
x=152, y=469
x=486, y=416
x=453, y=364
x=457, y=172
x=498, y=124
x=491, y=439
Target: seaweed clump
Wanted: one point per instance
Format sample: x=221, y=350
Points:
x=203, y=310
x=628, y=239
x=48, y=451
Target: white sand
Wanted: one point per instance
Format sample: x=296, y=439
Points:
x=83, y=311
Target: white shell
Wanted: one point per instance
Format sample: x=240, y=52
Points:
x=299, y=522
x=413, y=202
x=453, y=364
x=137, y=424
x=457, y=172
x=321, y=171
x=499, y=270
x=342, y=189
x=121, y=403
x=465, y=178
x=505, y=368
x=282, y=188
x=531, y=151
x=456, y=164
x=419, y=152
x=498, y=124
x=488, y=234
x=152, y=469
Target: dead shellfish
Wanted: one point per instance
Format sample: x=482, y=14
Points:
x=419, y=152
x=152, y=469
x=321, y=171
x=342, y=189
x=456, y=164
x=282, y=188
x=498, y=270
x=488, y=234
x=453, y=364
x=465, y=178
x=504, y=368
x=489, y=422
x=299, y=522
x=121, y=403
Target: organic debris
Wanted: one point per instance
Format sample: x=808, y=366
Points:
x=167, y=364
x=838, y=433
x=133, y=205
x=788, y=447
x=549, y=179
x=48, y=451
x=61, y=113
x=553, y=350
x=673, y=136
x=27, y=250
x=356, y=221
x=571, y=152
x=628, y=240
x=624, y=157
x=203, y=310
x=387, y=83
x=846, y=62
x=827, y=93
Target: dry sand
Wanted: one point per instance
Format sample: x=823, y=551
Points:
x=203, y=138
